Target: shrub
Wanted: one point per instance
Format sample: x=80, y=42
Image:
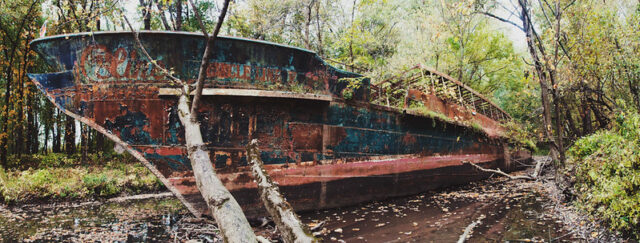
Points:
x=607, y=173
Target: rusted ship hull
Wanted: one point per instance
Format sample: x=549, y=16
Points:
x=323, y=150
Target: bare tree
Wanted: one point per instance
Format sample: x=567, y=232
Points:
x=544, y=63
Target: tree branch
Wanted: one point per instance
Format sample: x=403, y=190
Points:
x=499, y=172
x=144, y=51
x=503, y=20
x=207, y=51
x=291, y=228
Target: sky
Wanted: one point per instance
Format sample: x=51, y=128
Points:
x=513, y=33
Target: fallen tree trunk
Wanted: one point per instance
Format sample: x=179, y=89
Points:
x=232, y=222
x=290, y=227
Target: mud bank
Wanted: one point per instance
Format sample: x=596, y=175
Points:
x=513, y=211
x=509, y=211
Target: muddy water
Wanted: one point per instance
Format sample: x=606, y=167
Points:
x=135, y=221
x=442, y=217
x=512, y=212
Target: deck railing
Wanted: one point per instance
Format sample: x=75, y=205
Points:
x=429, y=80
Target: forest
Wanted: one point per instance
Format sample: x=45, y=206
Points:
x=566, y=71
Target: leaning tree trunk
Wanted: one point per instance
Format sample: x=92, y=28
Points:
x=290, y=227
x=232, y=222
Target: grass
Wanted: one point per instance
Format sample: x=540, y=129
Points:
x=58, y=177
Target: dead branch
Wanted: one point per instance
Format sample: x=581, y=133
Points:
x=499, y=172
x=539, y=165
x=469, y=228
x=288, y=223
x=140, y=197
x=136, y=35
x=318, y=226
x=210, y=40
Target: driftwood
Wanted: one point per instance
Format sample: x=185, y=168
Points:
x=499, y=172
x=469, y=228
x=290, y=227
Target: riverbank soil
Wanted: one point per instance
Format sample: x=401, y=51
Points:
x=508, y=210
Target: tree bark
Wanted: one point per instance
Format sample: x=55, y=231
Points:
x=19, y=128
x=5, y=119
x=290, y=227
x=32, y=122
x=179, y=15
x=46, y=140
x=163, y=18
x=585, y=115
x=527, y=25
x=99, y=142
x=146, y=16
x=84, y=143
x=69, y=136
x=57, y=138
x=232, y=222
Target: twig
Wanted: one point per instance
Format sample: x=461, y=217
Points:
x=318, y=226
x=498, y=171
x=469, y=228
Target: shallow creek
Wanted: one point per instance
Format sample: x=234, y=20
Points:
x=511, y=212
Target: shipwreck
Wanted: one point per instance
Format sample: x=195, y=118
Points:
x=328, y=137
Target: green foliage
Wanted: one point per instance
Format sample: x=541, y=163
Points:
x=519, y=136
x=61, y=178
x=353, y=84
x=607, y=173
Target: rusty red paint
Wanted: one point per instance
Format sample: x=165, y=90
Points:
x=324, y=151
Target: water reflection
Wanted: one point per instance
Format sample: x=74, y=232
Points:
x=512, y=213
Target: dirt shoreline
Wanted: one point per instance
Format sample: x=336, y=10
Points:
x=511, y=210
